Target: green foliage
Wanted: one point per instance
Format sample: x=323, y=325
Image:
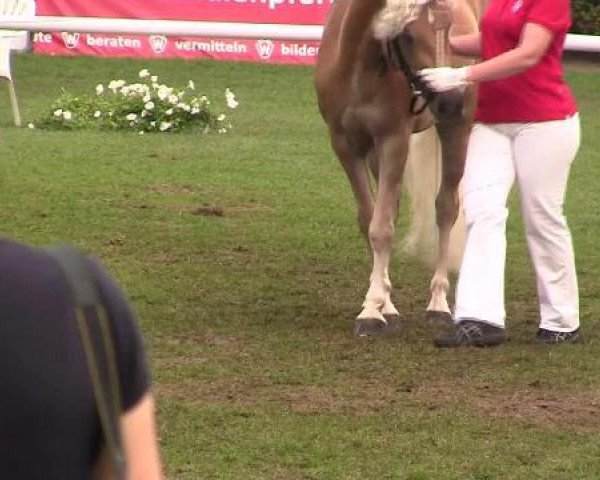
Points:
x=586, y=17
x=147, y=106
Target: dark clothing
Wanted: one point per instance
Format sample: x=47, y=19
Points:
x=49, y=428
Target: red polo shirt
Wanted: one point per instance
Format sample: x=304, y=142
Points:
x=539, y=93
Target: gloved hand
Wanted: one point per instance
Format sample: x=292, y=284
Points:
x=442, y=79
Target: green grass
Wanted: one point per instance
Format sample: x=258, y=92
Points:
x=248, y=316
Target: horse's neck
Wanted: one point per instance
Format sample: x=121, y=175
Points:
x=359, y=15
x=355, y=26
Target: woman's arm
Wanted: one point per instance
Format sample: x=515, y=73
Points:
x=534, y=43
x=535, y=40
x=140, y=441
x=468, y=45
x=140, y=445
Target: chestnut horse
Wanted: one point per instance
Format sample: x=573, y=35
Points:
x=372, y=101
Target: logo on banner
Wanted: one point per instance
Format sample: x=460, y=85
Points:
x=71, y=40
x=158, y=43
x=265, y=48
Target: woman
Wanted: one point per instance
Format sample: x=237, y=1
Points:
x=526, y=128
x=48, y=420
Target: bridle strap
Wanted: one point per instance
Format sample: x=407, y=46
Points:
x=419, y=90
x=441, y=20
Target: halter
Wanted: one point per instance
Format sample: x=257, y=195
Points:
x=441, y=19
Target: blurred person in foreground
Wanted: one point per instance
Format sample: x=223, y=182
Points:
x=49, y=425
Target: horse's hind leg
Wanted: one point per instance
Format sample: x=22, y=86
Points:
x=355, y=167
x=454, y=138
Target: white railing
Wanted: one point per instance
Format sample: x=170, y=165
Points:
x=585, y=43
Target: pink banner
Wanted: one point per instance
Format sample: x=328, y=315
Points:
x=301, y=12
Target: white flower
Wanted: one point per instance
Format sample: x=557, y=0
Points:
x=141, y=132
x=31, y=126
x=169, y=111
x=222, y=130
x=97, y=114
x=174, y=99
x=58, y=113
x=99, y=89
x=154, y=79
x=139, y=89
x=144, y=113
x=162, y=95
x=195, y=111
x=114, y=85
x=144, y=73
x=221, y=117
x=230, y=99
x=149, y=105
x=164, y=126
x=67, y=115
x=153, y=123
x=131, y=117
x=191, y=85
x=147, y=97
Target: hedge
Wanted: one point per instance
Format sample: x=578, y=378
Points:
x=586, y=17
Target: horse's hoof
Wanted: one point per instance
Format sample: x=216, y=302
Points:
x=393, y=322
x=370, y=327
x=437, y=317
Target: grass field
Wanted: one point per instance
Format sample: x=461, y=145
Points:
x=248, y=314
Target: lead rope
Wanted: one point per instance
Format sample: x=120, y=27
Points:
x=441, y=21
x=440, y=61
x=440, y=48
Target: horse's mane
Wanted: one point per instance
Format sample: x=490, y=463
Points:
x=394, y=16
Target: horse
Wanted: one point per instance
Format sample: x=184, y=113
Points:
x=373, y=102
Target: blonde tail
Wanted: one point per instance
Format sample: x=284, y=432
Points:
x=422, y=181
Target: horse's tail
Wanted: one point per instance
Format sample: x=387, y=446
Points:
x=422, y=181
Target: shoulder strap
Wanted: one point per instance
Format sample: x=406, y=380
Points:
x=96, y=338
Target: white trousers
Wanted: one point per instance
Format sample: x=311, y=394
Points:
x=539, y=157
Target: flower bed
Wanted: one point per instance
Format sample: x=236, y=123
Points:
x=145, y=106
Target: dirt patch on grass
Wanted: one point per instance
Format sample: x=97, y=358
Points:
x=537, y=407
x=170, y=189
x=305, y=399
x=207, y=338
x=162, y=258
x=209, y=211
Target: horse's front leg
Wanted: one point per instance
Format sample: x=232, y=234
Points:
x=378, y=309
x=454, y=139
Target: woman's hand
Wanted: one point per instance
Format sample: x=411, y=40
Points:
x=442, y=79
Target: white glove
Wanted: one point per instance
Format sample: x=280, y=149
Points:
x=442, y=79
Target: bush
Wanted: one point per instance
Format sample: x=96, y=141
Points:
x=586, y=17
x=146, y=106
